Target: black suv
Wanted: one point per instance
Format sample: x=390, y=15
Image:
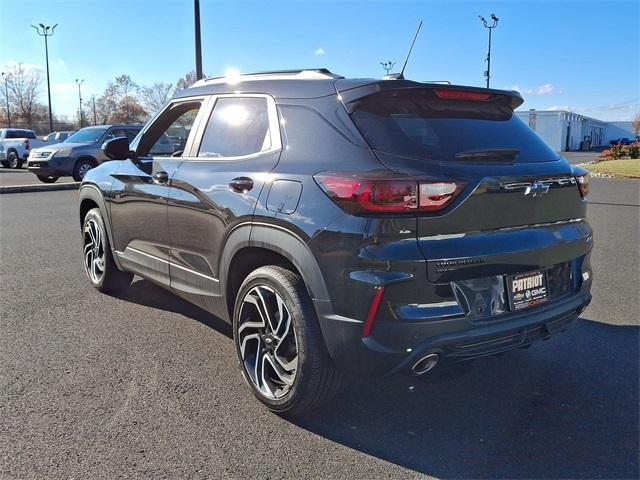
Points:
x=345, y=224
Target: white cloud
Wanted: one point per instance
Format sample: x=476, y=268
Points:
x=60, y=65
x=64, y=87
x=560, y=107
x=541, y=90
x=12, y=64
x=319, y=51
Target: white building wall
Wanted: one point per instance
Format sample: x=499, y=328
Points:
x=617, y=130
x=564, y=131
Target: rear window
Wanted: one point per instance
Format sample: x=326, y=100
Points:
x=20, y=134
x=416, y=123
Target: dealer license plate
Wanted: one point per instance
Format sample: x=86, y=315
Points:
x=527, y=289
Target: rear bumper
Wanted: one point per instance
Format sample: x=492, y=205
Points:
x=395, y=347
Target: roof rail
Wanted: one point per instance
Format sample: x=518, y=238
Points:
x=302, y=73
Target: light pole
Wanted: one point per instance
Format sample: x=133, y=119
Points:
x=6, y=96
x=46, y=32
x=387, y=66
x=495, y=19
x=79, y=83
x=95, y=117
x=196, y=19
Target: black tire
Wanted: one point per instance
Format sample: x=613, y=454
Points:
x=315, y=379
x=4, y=163
x=14, y=160
x=80, y=169
x=112, y=279
x=47, y=178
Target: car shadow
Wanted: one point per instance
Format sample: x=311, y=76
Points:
x=564, y=408
x=144, y=292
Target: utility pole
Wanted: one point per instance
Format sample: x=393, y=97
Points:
x=95, y=117
x=196, y=15
x=46, y=32
x=79, y=83
x=6, y=96
x=387, y=66
x=495, y=19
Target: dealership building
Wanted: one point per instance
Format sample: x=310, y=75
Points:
x=565, y=131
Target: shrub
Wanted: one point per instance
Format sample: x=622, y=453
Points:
x=618, y=151
x=634, y=150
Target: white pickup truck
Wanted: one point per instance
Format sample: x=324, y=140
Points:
x=15, y=145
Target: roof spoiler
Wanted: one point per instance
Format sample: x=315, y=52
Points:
x=350, y=95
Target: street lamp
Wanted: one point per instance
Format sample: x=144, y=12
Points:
x=495, y=19
x=387, y=66
x=79, y=83
x=46, y=32
x=6, y=96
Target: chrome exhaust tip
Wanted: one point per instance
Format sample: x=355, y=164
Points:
x=424, y=364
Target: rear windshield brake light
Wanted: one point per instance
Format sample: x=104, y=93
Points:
x=448, y=94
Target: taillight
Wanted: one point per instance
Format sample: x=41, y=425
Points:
x=583, y=183
x=448, y=94
x=27, y=145
x=362, y=193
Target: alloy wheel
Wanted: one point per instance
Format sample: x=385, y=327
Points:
x=268, y=345
x=94, y=254
x=83, y=169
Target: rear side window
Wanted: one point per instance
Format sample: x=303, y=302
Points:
x=20, y=134
x=416, y=123
x=237, y=127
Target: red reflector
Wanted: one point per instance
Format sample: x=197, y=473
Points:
x=463, y=95
x=373, y=311
x=27, y=145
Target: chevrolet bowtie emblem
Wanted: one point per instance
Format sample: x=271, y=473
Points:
x=537, y=189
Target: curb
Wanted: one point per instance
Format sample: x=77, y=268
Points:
x=50, y=187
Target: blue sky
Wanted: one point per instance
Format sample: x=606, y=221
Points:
x=578, y=55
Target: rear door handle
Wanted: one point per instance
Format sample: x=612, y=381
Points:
x=160, y=177
x=241, y=184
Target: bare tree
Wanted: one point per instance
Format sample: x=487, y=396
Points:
x=129, y=111
x=127, y=89
x=107, y=104
x=23, y=85
x=636, y=124
x=156, y=96
x=186, y=81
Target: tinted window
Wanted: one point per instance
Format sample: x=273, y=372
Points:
x=87, y=135
x=418, y=124
x=237, y=126
x=167, y=136
x=20, y=134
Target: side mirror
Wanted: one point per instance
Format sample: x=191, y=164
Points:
x=117, y=148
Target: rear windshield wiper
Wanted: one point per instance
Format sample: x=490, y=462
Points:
x=496, y=154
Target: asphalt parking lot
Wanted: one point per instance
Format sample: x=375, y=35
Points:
x=146, y=385
x=21, y=176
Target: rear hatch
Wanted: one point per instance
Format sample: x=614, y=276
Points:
x=516, y=195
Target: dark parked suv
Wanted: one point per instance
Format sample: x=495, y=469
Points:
x=374, y=226
x=77, y=154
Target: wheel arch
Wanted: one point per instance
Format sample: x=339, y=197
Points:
x=90, y=197
x=252, y=246
x=91, y=158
